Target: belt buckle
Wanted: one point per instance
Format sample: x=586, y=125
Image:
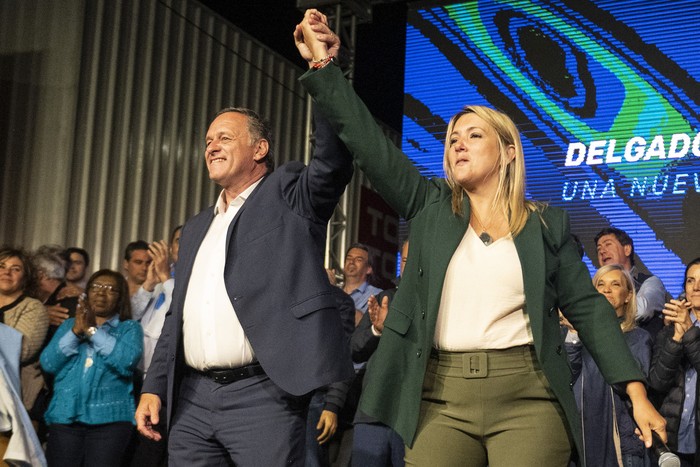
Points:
x=475, y=365
x=223, y=376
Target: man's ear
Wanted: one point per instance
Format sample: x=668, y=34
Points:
x=261, y=149
x=627, y=249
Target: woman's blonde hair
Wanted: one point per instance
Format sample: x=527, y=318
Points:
x=510, y=195
x=630, y=308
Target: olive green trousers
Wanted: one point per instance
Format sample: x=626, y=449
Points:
x=490, y=408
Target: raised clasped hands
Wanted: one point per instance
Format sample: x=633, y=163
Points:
x=314, y=38
x=84, y=317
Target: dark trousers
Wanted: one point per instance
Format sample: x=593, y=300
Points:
x=376, y=445
x=250, y=422
x=78, y=444
x=149, y=453
x=316, y=454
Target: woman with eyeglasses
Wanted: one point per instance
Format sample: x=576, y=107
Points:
x=25, y=314
x=93, y=357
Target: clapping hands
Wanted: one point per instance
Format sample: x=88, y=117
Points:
x=677, y=313
x=377, y=312
x=84, y=317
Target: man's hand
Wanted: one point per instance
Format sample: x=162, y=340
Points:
x=159, y=269
x=159, y=252
x=314, y=39
x=327, y=424
x=645, y=415
x=331, y=276
x=147, y=416
x=57, y=314
x=377, y=312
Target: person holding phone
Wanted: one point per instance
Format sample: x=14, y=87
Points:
x=92, y=358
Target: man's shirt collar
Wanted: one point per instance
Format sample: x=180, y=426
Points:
x=238, y=200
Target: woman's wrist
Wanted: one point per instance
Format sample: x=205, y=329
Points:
x=636, y=391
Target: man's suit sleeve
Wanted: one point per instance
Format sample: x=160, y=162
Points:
x=324, y=181
x=337, y=392
x=157, y=375
x=363, y=342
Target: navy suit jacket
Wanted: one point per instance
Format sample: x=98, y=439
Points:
x=274, y=276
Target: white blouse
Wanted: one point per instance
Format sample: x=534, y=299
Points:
x=483, y=298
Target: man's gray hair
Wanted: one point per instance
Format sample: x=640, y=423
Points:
x=49, y=260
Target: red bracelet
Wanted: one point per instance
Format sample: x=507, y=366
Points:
x=318, y=64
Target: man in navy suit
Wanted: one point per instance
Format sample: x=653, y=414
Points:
x=252, y=328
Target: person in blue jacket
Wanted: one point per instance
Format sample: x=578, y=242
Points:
x=92, y=358
x=608, y=428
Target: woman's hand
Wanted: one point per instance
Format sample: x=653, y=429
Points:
x=314, y=38
x=645, y=415
x=677, y=312
x=84, y=317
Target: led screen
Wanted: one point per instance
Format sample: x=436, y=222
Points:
x=605, y=94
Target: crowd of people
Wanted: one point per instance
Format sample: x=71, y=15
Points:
x=83, y=346
x=235, y=347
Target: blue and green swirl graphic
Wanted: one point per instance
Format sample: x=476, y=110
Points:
x=600, y=82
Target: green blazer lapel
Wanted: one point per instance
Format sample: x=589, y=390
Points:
x=530, y=247
x=448, y=233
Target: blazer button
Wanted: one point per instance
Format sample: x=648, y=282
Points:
x=559, y=349
x=420, y=272
x=422, y=314
x=552, y=311
x=419, y=353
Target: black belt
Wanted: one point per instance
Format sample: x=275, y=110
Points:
x=229, y=375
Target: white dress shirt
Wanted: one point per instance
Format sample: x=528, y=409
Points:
x=213, y=336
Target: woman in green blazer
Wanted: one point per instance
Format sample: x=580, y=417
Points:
x=471, y=368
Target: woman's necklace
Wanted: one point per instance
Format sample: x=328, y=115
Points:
x=484, y=237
